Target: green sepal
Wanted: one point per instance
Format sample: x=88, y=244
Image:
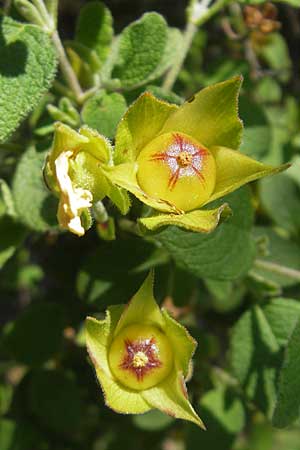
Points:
x=202, y=220
x=142, y=308
x=184, y=345
x=234, y=169
x=88, y=141
x=120, y=399
x=170, y=396
x=141, y=123
x=97, y=334
x=124, y=175
x=211, y=115
x=84, y=172
x=120, y=198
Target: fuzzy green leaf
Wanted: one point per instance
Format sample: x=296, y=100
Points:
x=27, y=68
x=103, y=112
x=288, y=403
x=226, y=253
x=94, y=28
x=141, y=48
x=256, y=349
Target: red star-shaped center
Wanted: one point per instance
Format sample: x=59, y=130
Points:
x=141, y=357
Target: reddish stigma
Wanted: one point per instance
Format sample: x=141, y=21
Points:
x=141, y=357
x=183, y=158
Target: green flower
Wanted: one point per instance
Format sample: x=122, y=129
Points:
x=180, y=159
x=73, y=173
x=142, y=357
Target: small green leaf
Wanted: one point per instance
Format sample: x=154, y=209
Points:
x=204, y=221
x=210, y=116
x=288, y=403
x=27, y=68
x=141, y=48
x=103, y=112
x=227, y=253
x=28, y=184
x=94, y=28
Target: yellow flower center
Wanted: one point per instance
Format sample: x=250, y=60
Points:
x=176, y=168
x=140, y=359
x=184, y=159
x=140, y=356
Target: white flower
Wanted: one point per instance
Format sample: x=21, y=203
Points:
x=72, y=200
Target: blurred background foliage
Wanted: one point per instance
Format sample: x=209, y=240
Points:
x=237, y=290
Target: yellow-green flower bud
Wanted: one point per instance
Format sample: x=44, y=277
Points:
x=177, y=168
x=140, y=356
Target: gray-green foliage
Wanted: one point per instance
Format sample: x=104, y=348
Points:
x=257, y=344
x=144, y=48
x=226, y=253
x=27, y=68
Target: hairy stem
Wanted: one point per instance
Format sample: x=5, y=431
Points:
x=174, y=71
x=200, y=12
x=277, y=268
x=66, y=67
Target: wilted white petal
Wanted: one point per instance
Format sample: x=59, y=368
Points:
x=72, y=200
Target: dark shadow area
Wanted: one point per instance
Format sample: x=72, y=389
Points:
x=13, y=55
